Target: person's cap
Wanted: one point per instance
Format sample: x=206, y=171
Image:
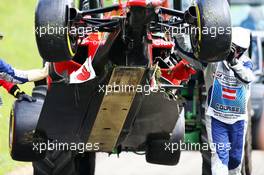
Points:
x=241, y=37
x=1, y=36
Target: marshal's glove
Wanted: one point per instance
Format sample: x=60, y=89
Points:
x=231, y=59
x=20, y=95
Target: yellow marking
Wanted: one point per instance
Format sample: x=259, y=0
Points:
x=69, y=45
x=199, y=25
x=11, y=138
x=16, y=91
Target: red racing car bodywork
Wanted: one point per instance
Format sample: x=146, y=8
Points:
x=118, y=86
x=174, y=74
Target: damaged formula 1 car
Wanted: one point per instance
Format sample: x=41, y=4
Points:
x=114, y=88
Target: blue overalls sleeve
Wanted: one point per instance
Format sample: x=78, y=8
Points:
x=12, y=75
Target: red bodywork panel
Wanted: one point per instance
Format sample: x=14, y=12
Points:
x=143, y=3
x=181, y=72
x=176, y=75
x=92, y=42
x=60, y=67
x=70, y=66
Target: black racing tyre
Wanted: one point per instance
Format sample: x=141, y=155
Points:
x=40, y=92
x=164, y=148
x=86, y=163
x=56, y=163
x=157, y=153
x=23, y=121
x=211, y=41
x=65, y=163
x=53, y=30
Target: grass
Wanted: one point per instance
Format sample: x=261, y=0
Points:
x=18, y=49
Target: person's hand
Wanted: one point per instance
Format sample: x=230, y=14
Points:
x=231, y=59
x=22, y=96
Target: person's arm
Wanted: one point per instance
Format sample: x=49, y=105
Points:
x=37, y=74
x=15, y=91
x=20, y=76
x=243, y=69
x=11, y=75
x=7, y=85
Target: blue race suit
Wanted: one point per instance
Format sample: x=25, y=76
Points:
x=226, y=108
x=12, y=75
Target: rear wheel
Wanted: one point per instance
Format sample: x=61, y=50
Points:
x=164, y=148
x=54, y=38
x=212, y=32
x=65, y=162
x=56, y=163
x=53, y=30
x=23, y=121
x=159, y=150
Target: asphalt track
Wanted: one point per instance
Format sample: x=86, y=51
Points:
x=131, y=164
